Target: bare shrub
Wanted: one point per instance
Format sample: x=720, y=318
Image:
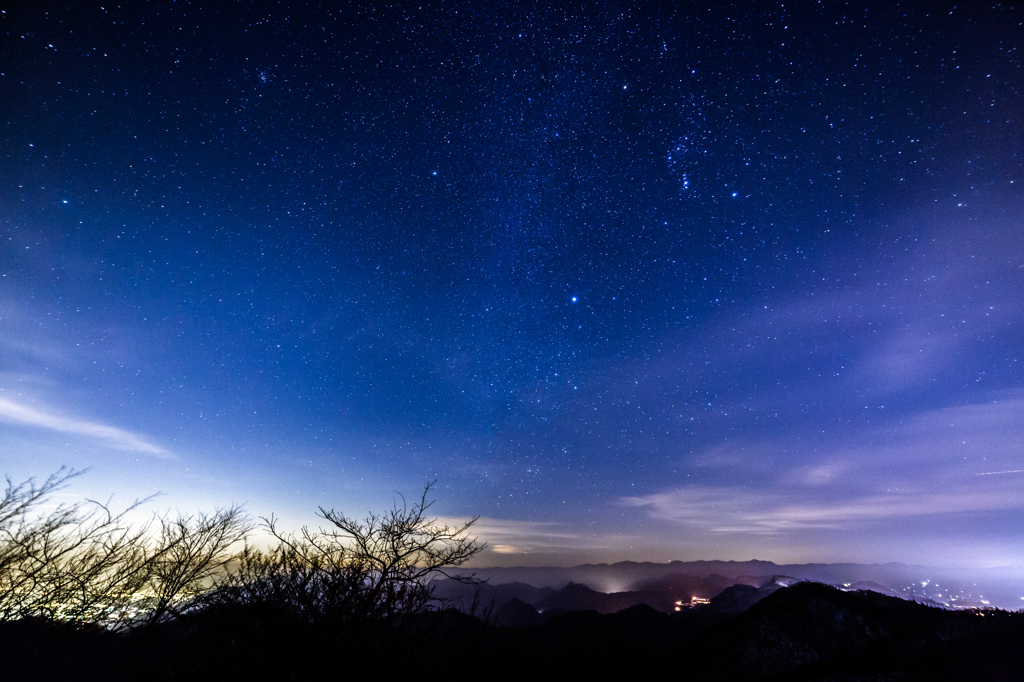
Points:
x=83, y=562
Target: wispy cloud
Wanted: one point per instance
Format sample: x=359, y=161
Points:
x=737, y=510
x=911, y=329
x=112, y=436
x=956, y=460
x=523, y=537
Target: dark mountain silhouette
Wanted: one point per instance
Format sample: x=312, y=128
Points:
x=777, y=631
x=515, y=613
x=1000, y=586
x=683, y=587
x=485, y=596
x=668, y=595
x=574, y=597
x=806, y=631
x=871, y=586
x=735, y=600
x=814, y=631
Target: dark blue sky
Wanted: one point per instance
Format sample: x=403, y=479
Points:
x=648, y=283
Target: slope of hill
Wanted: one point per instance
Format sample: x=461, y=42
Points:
x=807, y=631
x=1002, y=587
x=813, y=631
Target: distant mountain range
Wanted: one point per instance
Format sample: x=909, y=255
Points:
x=727, y=627
x=806, y=631
x=518, y=604
x=752, y=620
x=660, y=585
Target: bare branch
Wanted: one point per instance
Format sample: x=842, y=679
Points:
x=84, y=562
x=361, y=576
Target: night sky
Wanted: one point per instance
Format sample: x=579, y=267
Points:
x=642, y=283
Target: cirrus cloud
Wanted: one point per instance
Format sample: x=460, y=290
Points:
x=17, y=413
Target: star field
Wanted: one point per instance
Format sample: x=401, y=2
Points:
x=630, y=282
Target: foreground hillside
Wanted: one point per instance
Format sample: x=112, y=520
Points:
x=812, y=631
x=806, y=631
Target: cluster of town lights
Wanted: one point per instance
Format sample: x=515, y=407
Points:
x=694, y=601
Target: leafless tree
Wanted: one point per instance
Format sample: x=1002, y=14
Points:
x=399, y=551
x=86, y=563
x=359, y=588
x=364, y=583
x=360, y=577
x=191, y=553
x=78, y=562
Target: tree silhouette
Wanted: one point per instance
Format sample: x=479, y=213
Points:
x=399, y=551
x=83, y=562
x=78, y=562
x=76, y=577
x=362, y=578
x=190, y=556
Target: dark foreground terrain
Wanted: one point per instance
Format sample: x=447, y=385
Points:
x=807, y=631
